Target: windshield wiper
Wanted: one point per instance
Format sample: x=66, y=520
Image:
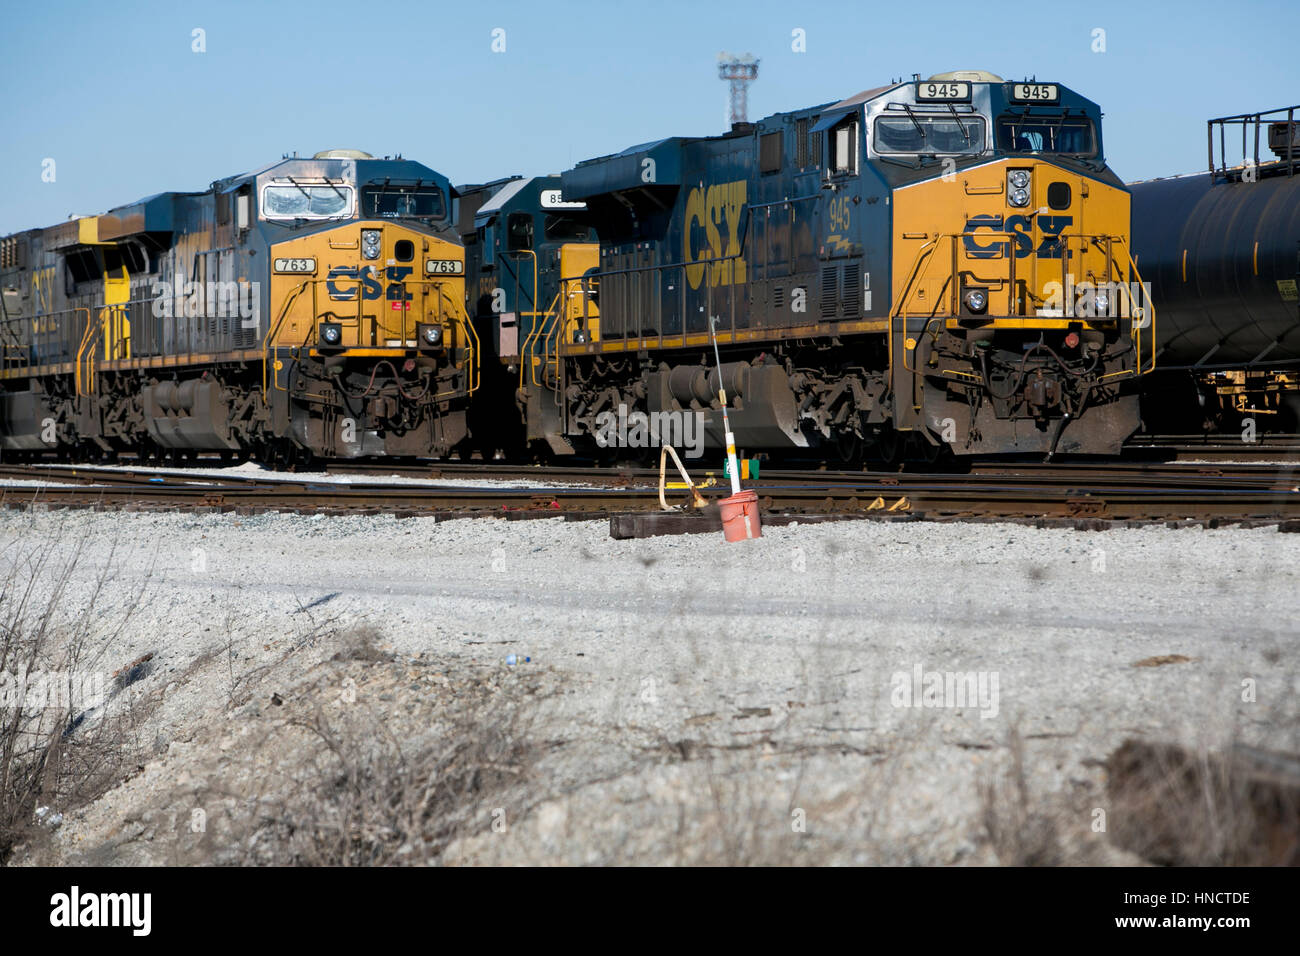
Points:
x=912, y=117
x=960, y=125
x=337, y=191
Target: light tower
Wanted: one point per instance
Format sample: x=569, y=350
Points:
x=740, y=71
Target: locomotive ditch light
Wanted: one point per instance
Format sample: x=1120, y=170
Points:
x=1018, y=187
x=977, y=300
x=1094, y=306
x=429, y=335
x=331, y=334
x=370, y=241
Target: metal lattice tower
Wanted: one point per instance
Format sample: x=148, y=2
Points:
x=740, y=71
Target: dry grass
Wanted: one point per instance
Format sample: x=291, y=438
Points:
x=356, y=785
x=1022, y=828
x=56, y=751
x=1182, y=807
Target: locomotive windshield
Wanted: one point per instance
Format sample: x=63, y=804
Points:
x=929, y=134
x=300, y=201
x=403, y=202
x=1045, y=134
x=566, y=229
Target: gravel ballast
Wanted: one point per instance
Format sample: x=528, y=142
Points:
x=690, y=700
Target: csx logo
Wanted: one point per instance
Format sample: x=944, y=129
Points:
x=370, y=285
x=712, y=211
x=1021, y=229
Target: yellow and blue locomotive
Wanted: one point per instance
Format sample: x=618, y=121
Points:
x=943, y=262
x=522, y=238
x=313, y=307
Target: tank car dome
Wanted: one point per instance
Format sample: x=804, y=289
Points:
x=342, y=154
x=970, y=76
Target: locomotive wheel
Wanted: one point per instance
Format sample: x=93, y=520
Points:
x=849, y=446
x=924, y=450
x=888, y=443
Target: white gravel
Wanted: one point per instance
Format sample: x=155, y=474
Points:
x=768, y=664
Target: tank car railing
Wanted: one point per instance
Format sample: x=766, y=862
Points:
x=1250, y=124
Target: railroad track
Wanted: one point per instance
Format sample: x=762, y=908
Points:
x=1272, y=447
x=1072, y=494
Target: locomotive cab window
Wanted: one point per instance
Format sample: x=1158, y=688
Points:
x=844, y=147
x=770, y=148
x=931, y=135
x=300, y=201
x=403, y=202
x=1047, y=134
x=519, y=231
x=560, y=228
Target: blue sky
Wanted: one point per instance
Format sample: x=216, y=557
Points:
x=114, y=94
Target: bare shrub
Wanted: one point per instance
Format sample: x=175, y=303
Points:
x=1189, y=807
x=60, y=748
x=1022, y=829
x=360, y=791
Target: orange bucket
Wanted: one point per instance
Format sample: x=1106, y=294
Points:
x=740, y=518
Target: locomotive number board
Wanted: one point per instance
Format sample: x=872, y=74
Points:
x=941, y=90
x=1035, y=92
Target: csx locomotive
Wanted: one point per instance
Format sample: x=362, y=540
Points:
x=943, y=263
x=313, y=307
x=522, y=239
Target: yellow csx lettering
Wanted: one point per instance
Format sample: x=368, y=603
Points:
x=43, y=286
x=711, y=210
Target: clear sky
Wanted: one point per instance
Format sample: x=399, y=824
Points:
x=115, y=94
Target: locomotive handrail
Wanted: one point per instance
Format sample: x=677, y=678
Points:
x=471, y=339
x=534, y=333
x=598, y=276
x=1148, y=321
x=559, y=310
x=532, y=296
x=1141, y=317
x=20, y=356
x=473, y=344
x=274, y=333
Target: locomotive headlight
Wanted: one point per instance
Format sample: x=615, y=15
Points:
x=1101, y=303
x=370, y=243
x=977, y=300
x=1019, y=178
x=331, y=333
x=430, y=336
x=1018, y=197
